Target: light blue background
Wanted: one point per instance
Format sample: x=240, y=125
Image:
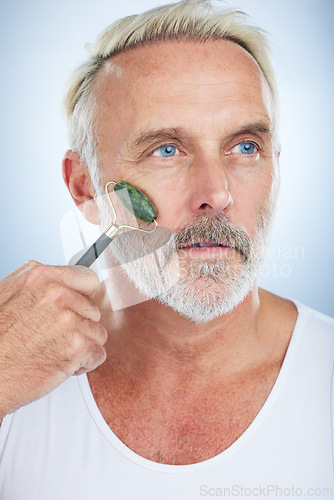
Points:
x=42, y=40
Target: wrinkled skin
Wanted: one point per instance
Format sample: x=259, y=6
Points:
x=49, y=330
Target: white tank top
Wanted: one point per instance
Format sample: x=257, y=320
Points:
x=60, y=447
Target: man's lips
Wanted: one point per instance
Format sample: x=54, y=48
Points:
x=204, y=244
x=207, y=250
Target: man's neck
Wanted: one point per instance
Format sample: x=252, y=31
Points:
x=193, y=389
x=152, y=342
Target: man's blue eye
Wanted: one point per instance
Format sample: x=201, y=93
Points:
x=247, y=148
x=168, y=150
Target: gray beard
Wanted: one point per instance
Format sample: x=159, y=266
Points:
x=198, y=290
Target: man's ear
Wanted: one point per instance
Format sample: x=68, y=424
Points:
x=78, y=181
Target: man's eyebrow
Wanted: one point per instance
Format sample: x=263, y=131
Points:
x=153, y=135
x=253, y=128
x=173, y=133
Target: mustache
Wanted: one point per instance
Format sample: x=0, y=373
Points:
x=133, y=245
x=214, y=229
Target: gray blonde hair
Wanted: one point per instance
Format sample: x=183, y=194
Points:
x=195, y=20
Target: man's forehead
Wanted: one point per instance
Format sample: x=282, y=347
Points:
x=149, y=86
x=169, y=57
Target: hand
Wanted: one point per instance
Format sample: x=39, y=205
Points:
x=49, y=330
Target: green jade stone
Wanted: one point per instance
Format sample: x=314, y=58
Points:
x=135, y=201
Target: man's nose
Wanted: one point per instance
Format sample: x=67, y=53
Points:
x=210, y=189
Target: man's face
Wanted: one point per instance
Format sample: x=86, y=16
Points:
x=191, y=125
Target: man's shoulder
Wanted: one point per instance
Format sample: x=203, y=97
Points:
x=315, y=317
x=315, y=328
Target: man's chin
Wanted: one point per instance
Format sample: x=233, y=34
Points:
x=205, y=299
x=197, y=310
x=199, y=291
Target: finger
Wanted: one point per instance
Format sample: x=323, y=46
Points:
x=81, y=371
x=19, y=270
x=12, y=283
x=92, y=330
x=78, y=278
x=62, y=297
x=94, y=357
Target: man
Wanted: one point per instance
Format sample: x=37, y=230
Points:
x=211, y=386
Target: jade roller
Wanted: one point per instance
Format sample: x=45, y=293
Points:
x=136, y=202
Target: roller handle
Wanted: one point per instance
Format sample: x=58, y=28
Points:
x=94, y=251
